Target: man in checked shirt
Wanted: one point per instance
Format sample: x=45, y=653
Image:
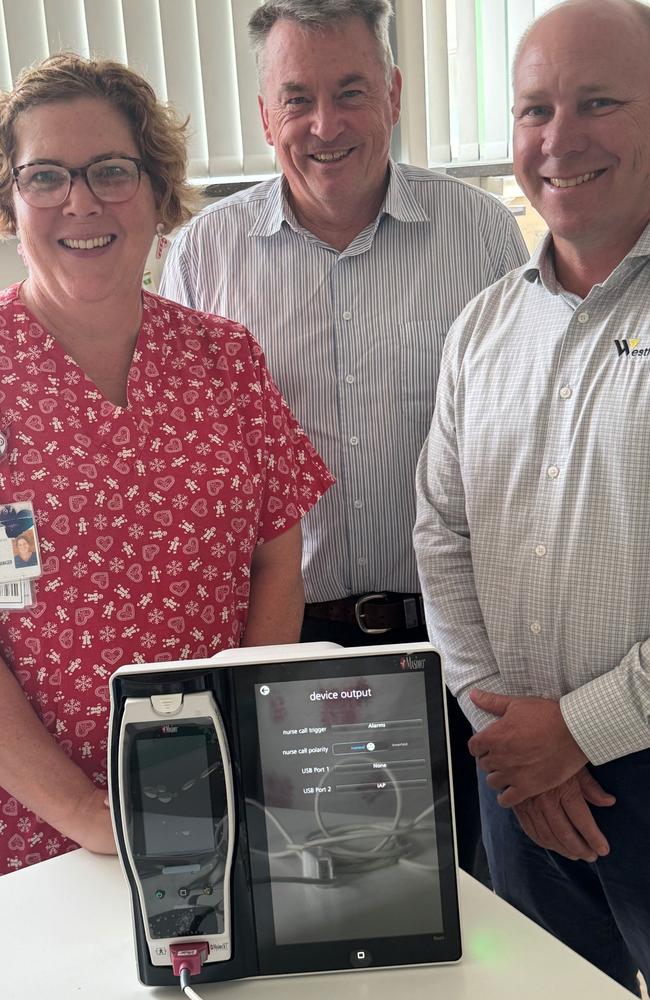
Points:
x=533, y=528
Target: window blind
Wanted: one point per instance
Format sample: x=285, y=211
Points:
x=468, y=47
x=455, y=57
x=195, y=54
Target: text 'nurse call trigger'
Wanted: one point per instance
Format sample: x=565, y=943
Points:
x=178, y=822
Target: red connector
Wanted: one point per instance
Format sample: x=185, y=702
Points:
x=189, y=957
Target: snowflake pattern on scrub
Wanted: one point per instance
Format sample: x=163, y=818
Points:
x=147, y=516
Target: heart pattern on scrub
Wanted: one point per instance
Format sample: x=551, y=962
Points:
x=147, y=516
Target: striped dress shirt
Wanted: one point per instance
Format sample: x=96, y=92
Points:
x=354, y=341
x=533, y=528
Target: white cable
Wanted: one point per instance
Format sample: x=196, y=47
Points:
x=414, y=822
x=418, y=865
x=185, y=978
x=396, y=818
x=269, y=815
x=353, y=833
x=341, y=835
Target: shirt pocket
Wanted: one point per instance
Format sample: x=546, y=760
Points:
x=420, y=347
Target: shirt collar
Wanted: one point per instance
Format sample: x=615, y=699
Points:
x=399, y=202
x=642, y=246
x=541, y=264
x=270, y=219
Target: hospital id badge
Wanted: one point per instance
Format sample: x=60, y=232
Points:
x=20, y=558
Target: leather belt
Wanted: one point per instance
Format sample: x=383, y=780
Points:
x=372, y=613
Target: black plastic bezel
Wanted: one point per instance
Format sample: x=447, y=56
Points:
x=277, y=959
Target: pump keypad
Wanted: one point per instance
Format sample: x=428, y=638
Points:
x=189, y=920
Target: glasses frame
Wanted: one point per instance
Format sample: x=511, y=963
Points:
x=77, y=172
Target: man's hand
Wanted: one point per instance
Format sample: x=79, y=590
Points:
x=528, y=750
x=560, y=820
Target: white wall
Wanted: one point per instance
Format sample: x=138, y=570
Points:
x=12, y=268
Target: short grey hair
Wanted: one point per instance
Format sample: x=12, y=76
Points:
x=315, y=14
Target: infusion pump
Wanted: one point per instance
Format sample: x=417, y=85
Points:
x=177, y=800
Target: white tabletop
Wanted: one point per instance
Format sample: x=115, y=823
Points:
x=65, y=934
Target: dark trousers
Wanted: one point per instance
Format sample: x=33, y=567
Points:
x=471, y=854
x=600, y=910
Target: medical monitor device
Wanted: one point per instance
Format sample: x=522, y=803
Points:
x=288, y=808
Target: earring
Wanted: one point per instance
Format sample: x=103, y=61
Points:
x=21, y=252
x=162, y=240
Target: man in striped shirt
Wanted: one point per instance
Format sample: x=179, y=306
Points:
x=533, y=529
x=349, y=269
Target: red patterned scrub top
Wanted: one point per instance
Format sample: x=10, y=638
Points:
x=147, y=516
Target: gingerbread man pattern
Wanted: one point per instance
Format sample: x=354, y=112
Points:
x=147, y=516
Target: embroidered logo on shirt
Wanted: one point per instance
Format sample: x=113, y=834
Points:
x=630, y=347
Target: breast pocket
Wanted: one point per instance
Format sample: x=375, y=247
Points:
x=420, y=352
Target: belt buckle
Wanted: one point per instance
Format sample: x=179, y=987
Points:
x=358, y=614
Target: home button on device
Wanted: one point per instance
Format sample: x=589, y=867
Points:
x=360, y=958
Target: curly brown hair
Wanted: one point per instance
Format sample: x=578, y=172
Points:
x=160, y=135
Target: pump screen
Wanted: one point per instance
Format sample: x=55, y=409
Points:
x=175, y=802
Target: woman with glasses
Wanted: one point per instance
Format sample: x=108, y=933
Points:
x=166, y=476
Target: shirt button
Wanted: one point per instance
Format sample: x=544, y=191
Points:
x=3, y=444
x=540, y=550
x=347, y=314
x=535, y=628
x=583, y=317
x=354, y=440
x=565, y=392
x=362, y=560
x=552, y=472
x=350, y=379
x=358, y=504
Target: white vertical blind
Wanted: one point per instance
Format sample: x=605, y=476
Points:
x=492, y=58
x=482, y=37
x=26, y=32
x=220, y=90
x=257, y=155
x=463, y=78
x=180, y=43
x=5, y=62
x=144, y=48
x=194, y=53
x=519, y=17
x=70, y=33
x=409, y=31
x=437, y=82
x=455, y=56
x=105, y=28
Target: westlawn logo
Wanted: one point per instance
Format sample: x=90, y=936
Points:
x=631, y=348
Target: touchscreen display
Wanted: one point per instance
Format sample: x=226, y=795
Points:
x=175, y=801
x=348, y=817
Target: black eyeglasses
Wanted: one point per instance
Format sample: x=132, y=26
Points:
x=46, y=185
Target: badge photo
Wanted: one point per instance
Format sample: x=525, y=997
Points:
x=19, y=552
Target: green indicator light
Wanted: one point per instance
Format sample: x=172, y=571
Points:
x=486, y=947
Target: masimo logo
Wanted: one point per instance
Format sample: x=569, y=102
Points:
x=626, y=348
